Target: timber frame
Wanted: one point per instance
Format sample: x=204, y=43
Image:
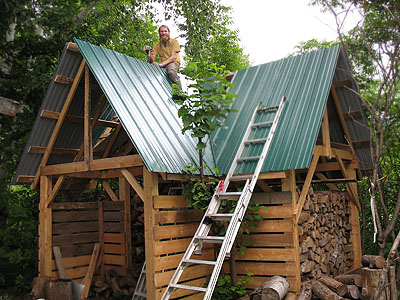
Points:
x=332, y=163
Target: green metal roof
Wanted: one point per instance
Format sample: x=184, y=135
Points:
x=140, y=94
x=305, y=80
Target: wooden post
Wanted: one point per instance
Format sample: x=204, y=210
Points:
x=100, y=212
x=289, y=185
x=355, y=234
x=125, y=195
x=45, y=228
x=150, y=182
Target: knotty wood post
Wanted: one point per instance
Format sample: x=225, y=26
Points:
x=150, y=182
x=125, y=195
x=45, y=228
x=289, y=185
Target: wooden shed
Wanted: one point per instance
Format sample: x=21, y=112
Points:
x=108, y=120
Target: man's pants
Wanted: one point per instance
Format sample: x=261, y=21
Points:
x=173, y=74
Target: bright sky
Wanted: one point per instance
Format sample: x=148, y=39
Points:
x=270, y=29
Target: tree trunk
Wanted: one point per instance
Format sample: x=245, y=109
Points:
x=275, y=289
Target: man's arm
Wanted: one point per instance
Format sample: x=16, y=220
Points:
x=170, y=59
x=152, y=59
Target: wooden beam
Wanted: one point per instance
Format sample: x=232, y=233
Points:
x=73, y=47
x=150, y=183
x=59, y=263
x=25, y=179
x=264, y=186
x=87, y=136
x=54, y=190
x=340, y=113
x=109, y=191
x=104, y=164
x=134, y=183
x=355, y=234
x=63, y=80
x=89, y=275
x=100, y=210
x=323, y=178
x=112, y=140
x=307, y=183
x=77, y=119
x=356, y=114
x=326, y=139
x=341, y=83
x=60, y=121
x=45, y=228
x=125, y=195
x=106, y=174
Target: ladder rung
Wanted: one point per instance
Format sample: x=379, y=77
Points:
x=268, y=108
x=248, y=158
x=188, y=287
x=241, y=177
x=262, y=124
x=256, y=141
x=211, y=239
x=220, y=217
x=199, y=262
x=229, y=195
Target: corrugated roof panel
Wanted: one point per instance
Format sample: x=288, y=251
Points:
x=305, y=80
x=140, y=94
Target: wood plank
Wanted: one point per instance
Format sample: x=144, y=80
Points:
x=307, y=182
x=170, y=202
x=271, y=254
x=73, y=216
x=55, y=190
x=54, y=115
x=114, y=260
x=75, y=238
x=174, y=246
x=25, y=179
x=269, y=240
x=355, y=114
x=190, y=273
x=113, y=216
x=75, y=227
x=73, y=262
x=115, y=249
x=264, y=226
x=114, y=238
x=134, y=183
x=331, y=186
x=109, y=191
x=45, y=228
x=272, y=198
x=74, y=205
x=325, y=132
x=60, y=121
x=100, y=211
x=280, y=211
x=118, y=162
x=64, y=80
x=264, y=268
x=87, y=136
x=89, y=275
x=178, y=216
x=125, y=196
x=112, y=140
x=342, y=83
x=175, y=231
x=71, y=250
x=60, y=266
x=181, y=292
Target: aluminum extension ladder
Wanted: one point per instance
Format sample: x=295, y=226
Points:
x=201, y=236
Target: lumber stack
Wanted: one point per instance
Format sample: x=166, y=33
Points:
x=324, y=235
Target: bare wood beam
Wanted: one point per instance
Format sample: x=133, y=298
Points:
x=307, y=183
x=340, y=113
x=77, y=119
x=63, y=79
x=109, y=191
x=331, y=166
x=72, y=47
x=264, y=186
x=119, y=162
x=326, y=139
x=45, y=228
x=54, y=190
x=58, y=151
x=340, y=83
x=363, y=143
x=356, y=114
x=87, y=140
x=134, y=183
x=112, y=140
x=25, y=179
x=60, y=120
x=331, y=186
x=106, y=174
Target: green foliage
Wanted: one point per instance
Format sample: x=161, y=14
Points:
x=225, y=289
x=18, y=239
x=205, y=26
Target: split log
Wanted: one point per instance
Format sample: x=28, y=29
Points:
x=305, y=293
x=39, y=287
x=275, y=288
x=350, y=279
x=353, y=292
x=59, y=289
x=323, y=292
x=373, y=261
x=336, y=286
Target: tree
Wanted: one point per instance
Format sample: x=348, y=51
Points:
x=374, y=49
x=205, y=26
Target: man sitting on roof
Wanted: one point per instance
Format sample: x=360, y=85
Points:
x=168, y=50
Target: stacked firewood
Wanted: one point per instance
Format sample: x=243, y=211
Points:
x=324, y=235
x=114, y=285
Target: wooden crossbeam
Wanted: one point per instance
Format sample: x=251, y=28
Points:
x=87, y=132
x=54, y=190
x=60, y=121
x=356, y=114
x=63, y=79
x=77, y=119
x=109, y=191
x=134, y=183
x=326, y=139
x=341, y=83
x=307, y=182
x=325, y=180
